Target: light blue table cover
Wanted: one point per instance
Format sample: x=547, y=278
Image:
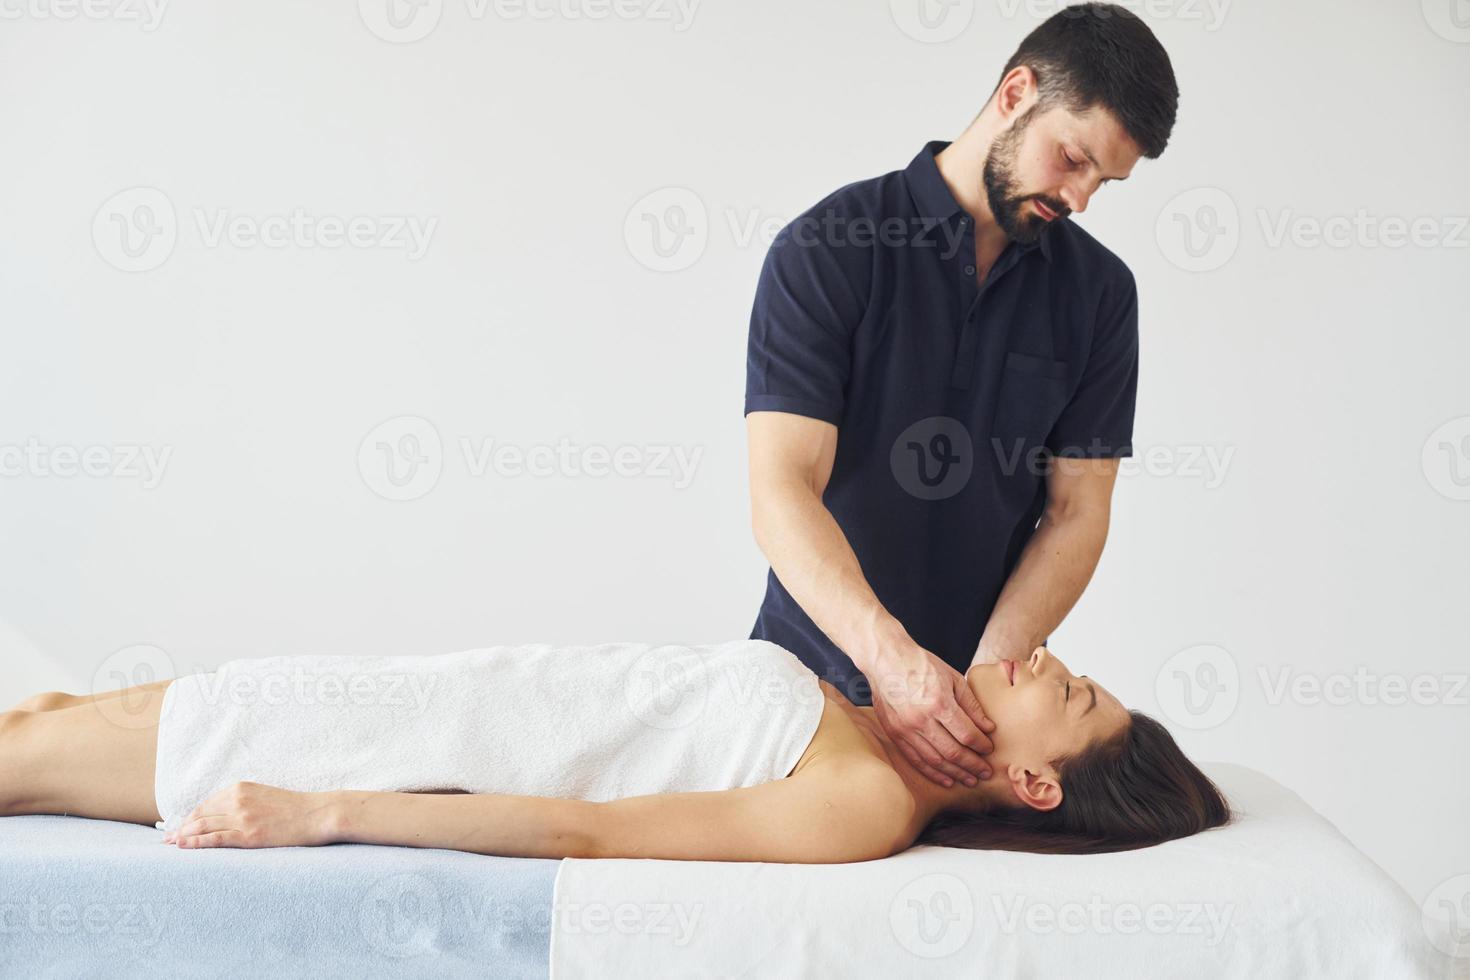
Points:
x=82, y=897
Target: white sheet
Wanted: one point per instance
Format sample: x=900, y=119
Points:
x=1280, y=893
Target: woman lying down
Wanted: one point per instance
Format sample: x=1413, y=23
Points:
x=728, y=752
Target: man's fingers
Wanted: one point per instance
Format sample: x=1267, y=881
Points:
x=960, y=737
x=960, y=728
x=955, y=752
x=926, y=760
x=933, y=775
x=965, y=697
x=934, y=758
x=918, y=762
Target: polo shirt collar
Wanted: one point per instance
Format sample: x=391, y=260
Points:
x=933, y=199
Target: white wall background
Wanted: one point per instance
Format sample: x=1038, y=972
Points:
x=1333, y=546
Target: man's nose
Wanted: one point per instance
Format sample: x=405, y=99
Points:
x=1076, y=199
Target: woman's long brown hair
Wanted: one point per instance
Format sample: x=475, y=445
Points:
x=1133, y=790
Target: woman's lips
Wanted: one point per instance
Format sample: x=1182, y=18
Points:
x=1010, y=668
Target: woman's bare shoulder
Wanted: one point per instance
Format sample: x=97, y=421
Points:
x=843, y=749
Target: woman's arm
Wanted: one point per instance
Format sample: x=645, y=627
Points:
x=829, y=814
x=844, y=811
x=481, y=823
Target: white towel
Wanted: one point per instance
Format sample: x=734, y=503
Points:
x=579, y=722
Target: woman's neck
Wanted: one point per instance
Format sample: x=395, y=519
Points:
x=929, y=797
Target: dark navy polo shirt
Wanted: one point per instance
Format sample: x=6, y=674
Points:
x=948, y=396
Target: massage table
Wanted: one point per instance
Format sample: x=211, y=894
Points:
x=1280, y=893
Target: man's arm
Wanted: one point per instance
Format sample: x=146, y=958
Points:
x=810, y=299
x=791, y=460
x=1060, y=557
x=923, y=704
x=1057, y=562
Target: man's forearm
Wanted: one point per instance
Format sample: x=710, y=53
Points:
x=1054, y=569
x=483, y=823
x=812, y=558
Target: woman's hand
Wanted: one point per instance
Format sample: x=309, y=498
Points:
x=256, y=815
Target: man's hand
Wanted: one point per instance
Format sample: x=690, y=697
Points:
x=929, y=711
x=256, y=815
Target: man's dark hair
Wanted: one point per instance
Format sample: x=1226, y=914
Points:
x=1101, y=54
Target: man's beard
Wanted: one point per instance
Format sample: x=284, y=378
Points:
x=1003, y=192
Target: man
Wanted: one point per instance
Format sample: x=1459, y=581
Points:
x=941, y=379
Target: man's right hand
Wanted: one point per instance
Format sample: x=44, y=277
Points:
x=933, y=717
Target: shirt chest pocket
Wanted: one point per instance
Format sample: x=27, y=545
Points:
x=1033, y=392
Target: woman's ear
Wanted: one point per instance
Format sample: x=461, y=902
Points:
x=1038, y=790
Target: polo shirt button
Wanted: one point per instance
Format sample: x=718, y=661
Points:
x=969, y=270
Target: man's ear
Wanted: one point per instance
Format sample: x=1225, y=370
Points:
x=1038, y=790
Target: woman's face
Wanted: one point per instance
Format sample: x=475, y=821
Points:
x=1042, y=711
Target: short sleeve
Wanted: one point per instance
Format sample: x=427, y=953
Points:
x=1098, y=421
x=799, y=353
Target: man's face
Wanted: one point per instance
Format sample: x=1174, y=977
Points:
x=1048, y=165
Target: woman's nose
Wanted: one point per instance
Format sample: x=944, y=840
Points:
x=1040, y=657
